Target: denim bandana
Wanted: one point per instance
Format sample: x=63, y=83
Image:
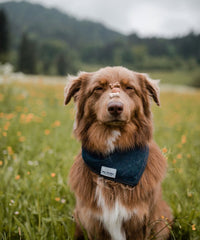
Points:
x=125, y=167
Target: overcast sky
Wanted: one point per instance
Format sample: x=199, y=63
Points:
x=145, y=17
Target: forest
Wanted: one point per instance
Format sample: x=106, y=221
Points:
x=39, y=40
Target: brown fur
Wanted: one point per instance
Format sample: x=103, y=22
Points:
x=93, y=128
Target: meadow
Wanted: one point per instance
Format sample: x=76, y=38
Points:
x=37, y=148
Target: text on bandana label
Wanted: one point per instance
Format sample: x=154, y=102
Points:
x=108, y=172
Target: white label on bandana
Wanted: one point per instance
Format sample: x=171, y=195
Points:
x=108, y=172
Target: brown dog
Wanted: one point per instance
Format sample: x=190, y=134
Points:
x=113, y=118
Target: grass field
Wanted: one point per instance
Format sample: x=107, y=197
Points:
x=37, y=149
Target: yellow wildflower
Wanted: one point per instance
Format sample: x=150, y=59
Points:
x=57, y=199
x=22, y=118
x=174, y=161
x=189, y=194
x=183, y=139
x=47, y=132
x=179, y=156
x=22, y=139
x=193, y=227
x=53, y=175
x=10, y=150
x=56, y=124
x=6, y=126
x=29, y=117
x=10, y=116
x=17, y=177
x=164, y=150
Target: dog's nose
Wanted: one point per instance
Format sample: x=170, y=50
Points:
x=115, y=108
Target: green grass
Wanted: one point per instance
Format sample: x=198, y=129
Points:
x=177, y=77
x=37, y=149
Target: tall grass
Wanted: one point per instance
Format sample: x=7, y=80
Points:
x=37, y=149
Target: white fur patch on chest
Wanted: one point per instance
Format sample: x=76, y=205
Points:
x=112, y=218
x=112, y=139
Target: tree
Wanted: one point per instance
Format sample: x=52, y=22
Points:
x=4, y=36
x=66, y=63
x=61, y=65
x=27, y=55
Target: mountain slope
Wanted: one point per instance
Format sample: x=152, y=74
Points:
x=50, y=24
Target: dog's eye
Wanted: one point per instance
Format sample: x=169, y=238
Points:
x=129, y=88
x=98, y=89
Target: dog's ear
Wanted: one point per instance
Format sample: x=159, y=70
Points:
x=74, y=85
x=152, y=88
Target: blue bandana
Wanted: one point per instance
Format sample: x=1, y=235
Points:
x=124, y=167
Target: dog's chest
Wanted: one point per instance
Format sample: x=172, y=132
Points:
x=112, y=217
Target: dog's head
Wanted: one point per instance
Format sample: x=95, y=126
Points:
x=113, y=107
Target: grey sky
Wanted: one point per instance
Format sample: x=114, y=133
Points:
x=146, y=17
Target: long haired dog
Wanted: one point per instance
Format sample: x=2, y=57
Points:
x=117, y=176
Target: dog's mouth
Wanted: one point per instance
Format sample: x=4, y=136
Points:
x=115, y=122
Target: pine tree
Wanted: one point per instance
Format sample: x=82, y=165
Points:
x=4, y=36
x=27, y=55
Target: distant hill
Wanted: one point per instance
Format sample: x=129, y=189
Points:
x=62, y=43
x=51, y=24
